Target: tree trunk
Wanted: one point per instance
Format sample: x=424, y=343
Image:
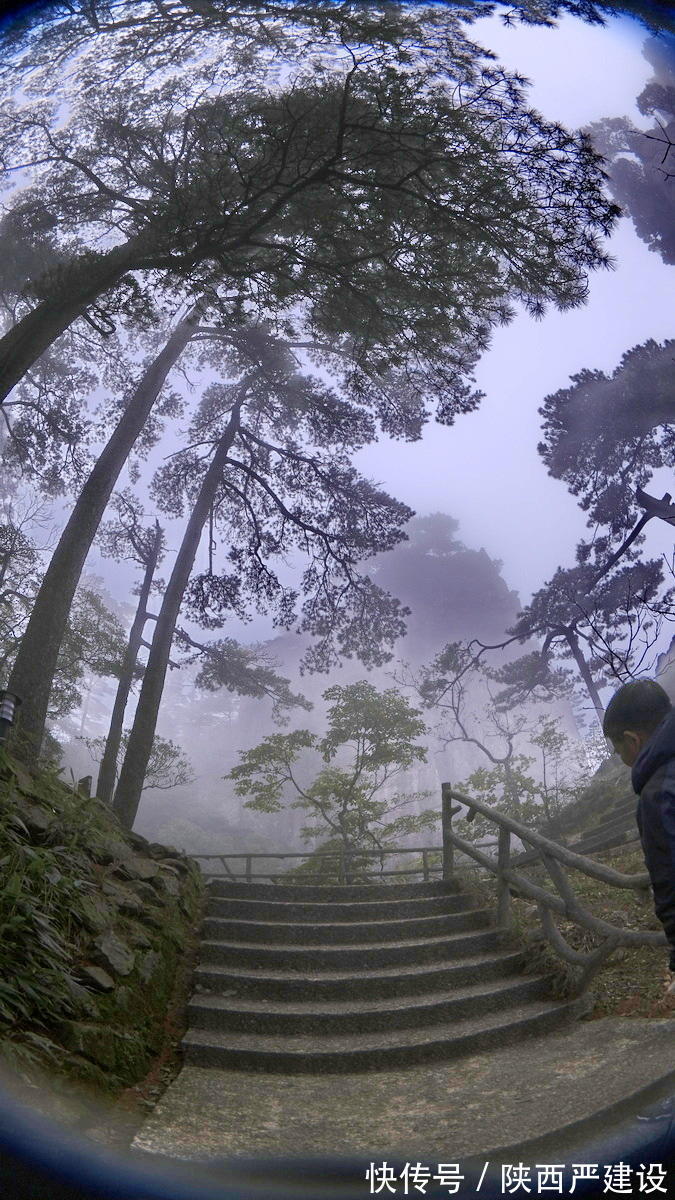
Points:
x=108, y=769
x=35, y=663
x=23, y=344
x=584, y=671
x=139, y=747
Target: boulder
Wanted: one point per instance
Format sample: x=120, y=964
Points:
x=180, y=865
x=145, y=892
x=139, y=842
x=24, y=781
x=111, y=849
x=139, y=938
x=164, y=882
x=134, y=866
x=111, y=1049
x=154, y=918
x=36, y=818
x=130, y=905
x=113, y=954
x=96, y=913
x=96, y=977
x=148, y=965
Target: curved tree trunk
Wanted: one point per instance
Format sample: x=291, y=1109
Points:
x=23, y=344
x=584, y=671
x=35, y=663
x=139, y=747
x=108, y=769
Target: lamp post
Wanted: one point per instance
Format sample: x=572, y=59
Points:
x=9, y=704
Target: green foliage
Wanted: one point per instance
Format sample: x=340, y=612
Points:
x=606, y=434
x=168, y=766
x=20, y=573
x=512, y=789
x=373, y=735
x=94, y=641
x=507, y=787
x=324, y=870
x=42, y=897
x=53, y=844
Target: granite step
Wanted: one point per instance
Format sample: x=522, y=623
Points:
x=625, y=832
x=326, y=912
x=331, y=1018
x=341, y=933
x=376, y=983
x=391, y=1048
x=331, y=892
x=627, y=821
x=357, y=957
x=592, y=849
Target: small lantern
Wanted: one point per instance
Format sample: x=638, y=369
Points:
x=9, y=704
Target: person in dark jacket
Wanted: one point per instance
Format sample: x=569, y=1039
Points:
x=640, y=723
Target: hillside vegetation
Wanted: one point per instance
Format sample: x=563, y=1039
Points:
x=94, y=925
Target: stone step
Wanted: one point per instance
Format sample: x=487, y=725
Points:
x=375, y=984
x=391, y=1048
x=331, y=892
x=327, y=1019
x=626, y=821
x=219, y=929
x=323, y=912
x=358, y=957
x=619, y=834
x=600, y=848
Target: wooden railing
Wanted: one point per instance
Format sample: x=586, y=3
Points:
x=344, y=859
x=563, y=902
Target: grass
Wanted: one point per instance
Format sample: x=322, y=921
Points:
x=68, y=1045
x=633, y=982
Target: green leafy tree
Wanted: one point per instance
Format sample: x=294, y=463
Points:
x=641, y=163
x=268, y=470
x=606, y=434
x=509, y=788
x=20, y=572
x=94, y=642
x=168, y=766
x=448, y=203
x=370, y=739
x=605, y=628
x=561, y=766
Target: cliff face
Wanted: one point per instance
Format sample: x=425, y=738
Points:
x=94, y=922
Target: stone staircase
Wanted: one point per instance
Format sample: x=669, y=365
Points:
x=302, y=979
x=616, y=829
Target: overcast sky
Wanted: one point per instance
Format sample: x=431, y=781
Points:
x=485, y=470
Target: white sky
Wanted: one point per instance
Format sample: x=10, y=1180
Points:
x=485, y=469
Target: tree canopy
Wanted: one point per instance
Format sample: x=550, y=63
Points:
x=605, y=435
x=641, y=163
x=434, y=189
x=371, y=738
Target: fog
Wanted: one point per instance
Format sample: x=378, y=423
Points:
x=484, y=471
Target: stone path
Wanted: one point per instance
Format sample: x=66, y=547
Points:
x=593, y=1072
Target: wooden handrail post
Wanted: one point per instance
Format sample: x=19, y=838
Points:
x=248, y=868
x=504, y=913
x=446, y=822
x=425, y=866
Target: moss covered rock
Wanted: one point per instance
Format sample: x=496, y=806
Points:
x=90, y=915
